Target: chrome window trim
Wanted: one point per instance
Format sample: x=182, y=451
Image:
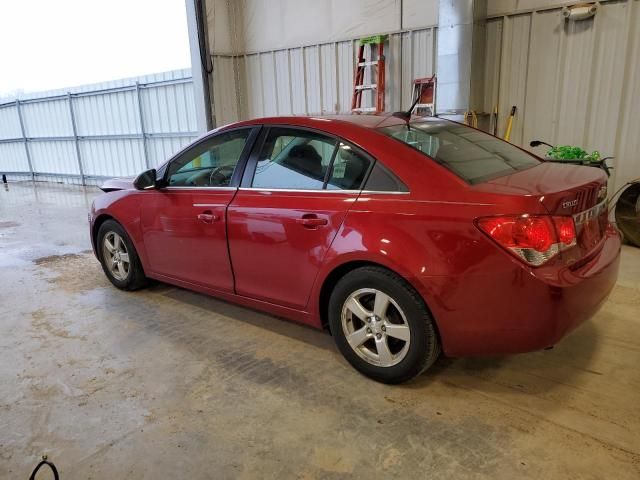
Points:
x=300, y=190
x=382, y=192
x=199, y=188
x=297, y=190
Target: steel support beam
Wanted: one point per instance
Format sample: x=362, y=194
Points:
x=24, y=138
x=142, y=130
x=75, y=136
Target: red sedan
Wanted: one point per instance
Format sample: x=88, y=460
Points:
x=403, y=237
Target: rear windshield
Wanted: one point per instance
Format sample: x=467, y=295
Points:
x=471, y=154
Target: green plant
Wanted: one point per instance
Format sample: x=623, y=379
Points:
x=568, y=152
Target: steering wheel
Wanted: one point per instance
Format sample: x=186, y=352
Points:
x=198, y=179
x=221, y=176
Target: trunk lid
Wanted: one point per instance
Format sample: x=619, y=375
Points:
x=564, y=190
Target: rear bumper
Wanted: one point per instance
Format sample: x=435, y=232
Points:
x=516, y=310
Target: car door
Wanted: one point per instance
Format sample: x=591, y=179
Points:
x=184, y=222
x=295, y=194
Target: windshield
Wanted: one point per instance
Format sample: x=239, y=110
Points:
x=471, y=154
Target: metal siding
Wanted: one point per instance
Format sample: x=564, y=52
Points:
x=47, y=119
x=423, y=57
x=573, y=82
x=112, y=158
x=13, y=158
x=298, y=82
x=393, y=68
x=282, y=66
x=576, y=73
x=167, y=108
x=613, y=23
x=225, y=90
x=313, y=76
x=329, y=76
x=316, y=79
x=627, y=162
x=107, y=114
x=492, y=64
x=161, y=149
x=253, y=91
x=54, y=157
x=268, y=78
x=109, y=109
x=541, y=96
x=9, y=122
x=515, y=52
x=346, y=67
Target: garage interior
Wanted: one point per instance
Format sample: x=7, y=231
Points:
x=165, y=382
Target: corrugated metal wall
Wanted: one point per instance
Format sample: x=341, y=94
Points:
x=573, y=82
x=94, y=131
x=314, y=79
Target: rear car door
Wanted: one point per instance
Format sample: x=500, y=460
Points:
x=184, y=223
x=295, y=194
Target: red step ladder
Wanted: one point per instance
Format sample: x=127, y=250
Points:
x=377, y=74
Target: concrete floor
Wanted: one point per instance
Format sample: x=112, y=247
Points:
x=165, y=383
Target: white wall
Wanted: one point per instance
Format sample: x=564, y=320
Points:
x=575, y=83
x=249, y=26
x=281, y=57
x=509, y=7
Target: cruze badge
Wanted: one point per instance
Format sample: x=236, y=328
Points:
x=569, y=204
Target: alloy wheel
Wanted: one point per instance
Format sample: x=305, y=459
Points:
x=375, y=327
x=116, y=256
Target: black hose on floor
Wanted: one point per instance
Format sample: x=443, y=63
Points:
x=48, y=464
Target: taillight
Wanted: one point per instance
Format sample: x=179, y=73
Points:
x=535, y=239
x=566, y=229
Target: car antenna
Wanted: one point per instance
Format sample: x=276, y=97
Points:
x=406, y=116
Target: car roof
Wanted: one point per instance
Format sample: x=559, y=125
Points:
x=369, y=121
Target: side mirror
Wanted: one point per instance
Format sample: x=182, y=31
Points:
x=146, y=180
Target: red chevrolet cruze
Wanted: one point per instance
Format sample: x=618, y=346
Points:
x=404, y=237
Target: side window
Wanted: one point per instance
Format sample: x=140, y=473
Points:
x=382, y=180
x=349, y=169
x=210, y=164
x=296, y=159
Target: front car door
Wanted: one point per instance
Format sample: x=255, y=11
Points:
x=295, y=193
x=184, y=222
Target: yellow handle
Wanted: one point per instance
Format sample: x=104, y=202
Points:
x=507, y=134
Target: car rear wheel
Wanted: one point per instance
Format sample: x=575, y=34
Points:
x=119, y=258
x=382, y=326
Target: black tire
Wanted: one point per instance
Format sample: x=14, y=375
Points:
x=423, y=348
x=135, y=277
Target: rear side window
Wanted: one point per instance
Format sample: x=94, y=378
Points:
x=295, y=159
x=471, y=154
x=382, y=180
x=349, y=169
x=306, y=160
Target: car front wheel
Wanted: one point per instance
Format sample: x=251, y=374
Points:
x=382, y=326
x=119, y=258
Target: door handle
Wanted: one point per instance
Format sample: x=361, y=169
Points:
x=311, y=221
x=207, y=217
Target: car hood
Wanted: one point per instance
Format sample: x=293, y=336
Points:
x=113, y=184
